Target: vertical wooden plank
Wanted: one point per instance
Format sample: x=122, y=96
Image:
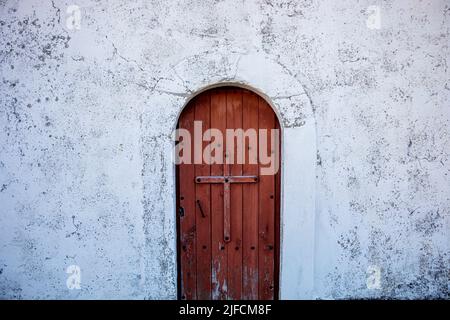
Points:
x=203, y=216
x=234, y=121
x=266, y=212
x=226, y=207
x=250, y=203
x=277, y=216
x=187, y=221
x=177, y=206
x=219, y=250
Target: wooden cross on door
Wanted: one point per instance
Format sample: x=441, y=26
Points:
x=226, y=179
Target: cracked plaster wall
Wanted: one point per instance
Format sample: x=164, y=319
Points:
x=86, y=116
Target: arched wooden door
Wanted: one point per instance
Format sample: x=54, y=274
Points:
x=228, y=214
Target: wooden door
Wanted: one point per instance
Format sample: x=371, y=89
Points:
x=228, y=252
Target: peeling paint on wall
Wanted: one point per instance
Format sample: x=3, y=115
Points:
x=86, y=116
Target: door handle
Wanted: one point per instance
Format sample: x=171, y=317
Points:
x=201, y=209
x=181, y=211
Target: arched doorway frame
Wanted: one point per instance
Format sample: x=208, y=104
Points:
x=178, y=85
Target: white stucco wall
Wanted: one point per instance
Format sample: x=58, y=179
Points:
x=86, y=116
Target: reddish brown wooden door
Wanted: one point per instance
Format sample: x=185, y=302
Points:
x=228, y=214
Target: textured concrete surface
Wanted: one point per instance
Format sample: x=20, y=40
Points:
x=86, y=113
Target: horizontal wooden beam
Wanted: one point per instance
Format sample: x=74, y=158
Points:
x=242, y=179
x=226, y=179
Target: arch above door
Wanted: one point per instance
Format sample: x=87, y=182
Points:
x=175, y=87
